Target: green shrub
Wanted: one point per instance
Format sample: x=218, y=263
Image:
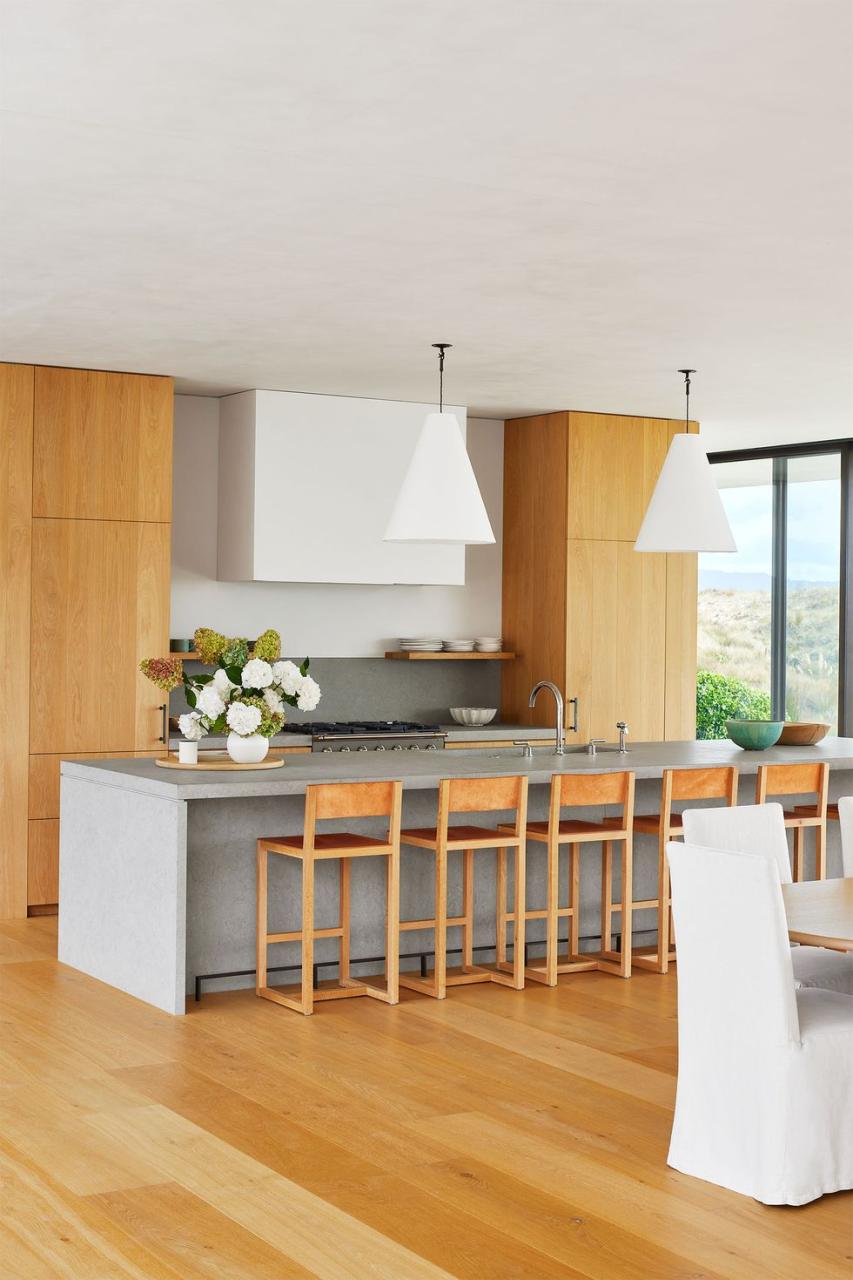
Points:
x=720, y=698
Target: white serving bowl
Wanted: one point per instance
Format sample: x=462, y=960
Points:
x=473, y=717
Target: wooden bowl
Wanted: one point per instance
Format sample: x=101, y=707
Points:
x=802, y=734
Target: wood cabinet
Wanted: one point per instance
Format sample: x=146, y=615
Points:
x=85, y=520
x=100, y=603
x=16, y=460
x=102, y=445
x=608, y=625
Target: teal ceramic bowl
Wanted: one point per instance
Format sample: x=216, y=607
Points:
x=754, y=735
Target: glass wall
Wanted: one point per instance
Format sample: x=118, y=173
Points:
x=813, y=588
x=771, y=623
x=735, y=631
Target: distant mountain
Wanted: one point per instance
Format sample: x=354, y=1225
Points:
x=720, y=580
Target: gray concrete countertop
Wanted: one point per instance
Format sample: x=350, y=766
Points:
x=422, y=771
x=495, y=732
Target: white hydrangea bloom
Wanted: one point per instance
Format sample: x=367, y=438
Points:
x=191, y=727
x=242, y=719
x=273, y=700
x=222, y=684
x=257, y=674
x=309, y=694
x=287, y=675
x=209, y=702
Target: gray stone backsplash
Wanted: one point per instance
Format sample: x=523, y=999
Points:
x=380, y=689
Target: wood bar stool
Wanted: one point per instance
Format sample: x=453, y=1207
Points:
x=797, y=780
x=583, y=790
x=334, y=800
x=677, y=785
x=832, y=813
x=472, y=795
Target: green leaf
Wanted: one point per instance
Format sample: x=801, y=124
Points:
x=303, y=670
x=191, y=698
x=234, y=673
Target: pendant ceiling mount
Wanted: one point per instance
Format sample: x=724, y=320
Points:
x=686, y=512
x=439, y=499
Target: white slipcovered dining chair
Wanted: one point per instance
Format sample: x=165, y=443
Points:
x=845, y=817
x=764, y=1103
x=760, y=828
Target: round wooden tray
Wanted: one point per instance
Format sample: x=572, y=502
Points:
x=216, y=760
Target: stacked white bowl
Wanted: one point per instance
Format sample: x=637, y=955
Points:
x=414, y=644
x=488, y=644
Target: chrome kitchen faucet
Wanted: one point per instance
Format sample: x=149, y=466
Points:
x=560, y=731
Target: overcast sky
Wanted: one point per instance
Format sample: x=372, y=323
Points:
x=814, y=523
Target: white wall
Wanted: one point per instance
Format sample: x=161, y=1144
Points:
x=331, y=621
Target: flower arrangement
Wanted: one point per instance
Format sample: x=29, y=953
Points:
x=246, y=695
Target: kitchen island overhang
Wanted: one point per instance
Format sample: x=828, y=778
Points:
x=157, y=867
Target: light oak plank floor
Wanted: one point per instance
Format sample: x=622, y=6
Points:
x=495, y=1135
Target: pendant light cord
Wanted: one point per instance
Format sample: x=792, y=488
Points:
x=442, y=347
x=687, y=373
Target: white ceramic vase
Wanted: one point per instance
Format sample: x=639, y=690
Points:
x=251, y=750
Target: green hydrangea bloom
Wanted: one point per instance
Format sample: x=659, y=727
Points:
x=209, y=644
x=268, y=646
x=235, y=653
x=271, y=721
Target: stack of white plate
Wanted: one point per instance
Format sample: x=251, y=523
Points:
x=414, y=644
x=488, y=644
x=459, y=646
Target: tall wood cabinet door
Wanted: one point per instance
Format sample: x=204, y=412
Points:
x=100, y=603
x=592, y=610
x=682, y=604
x=614, y=463
x=641, y=648
x=616, y=638
x=16, y=460
x=534, y=567
x=102, y=445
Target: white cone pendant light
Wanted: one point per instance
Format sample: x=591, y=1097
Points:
x=686, y=511
x=439, y=499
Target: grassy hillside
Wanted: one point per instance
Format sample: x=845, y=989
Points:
x=734, y=639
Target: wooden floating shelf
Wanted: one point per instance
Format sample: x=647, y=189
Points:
x=402, y=655
x=442, y=656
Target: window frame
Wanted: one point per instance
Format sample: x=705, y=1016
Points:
x=779, y=455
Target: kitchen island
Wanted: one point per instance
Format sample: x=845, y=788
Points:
x=157, y=867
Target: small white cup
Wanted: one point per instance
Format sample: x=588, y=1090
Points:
x=188, y=752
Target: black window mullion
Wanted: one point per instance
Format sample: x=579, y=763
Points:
x=779, y=590
x=845, y=612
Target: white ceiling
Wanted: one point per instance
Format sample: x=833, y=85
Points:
x=581, y=196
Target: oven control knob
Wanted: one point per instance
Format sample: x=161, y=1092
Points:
x=363, y=748
x=346, y=748
x=414, y=747
x=398, y=747
x=379, y=748
x=432, y=747
x=325, y=749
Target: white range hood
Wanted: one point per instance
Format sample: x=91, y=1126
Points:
x=307, y=485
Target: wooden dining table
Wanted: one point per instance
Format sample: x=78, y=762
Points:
x=820, y=913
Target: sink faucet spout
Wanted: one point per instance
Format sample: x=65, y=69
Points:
x=560, y=728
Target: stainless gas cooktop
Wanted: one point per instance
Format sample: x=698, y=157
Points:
x=370, y=735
